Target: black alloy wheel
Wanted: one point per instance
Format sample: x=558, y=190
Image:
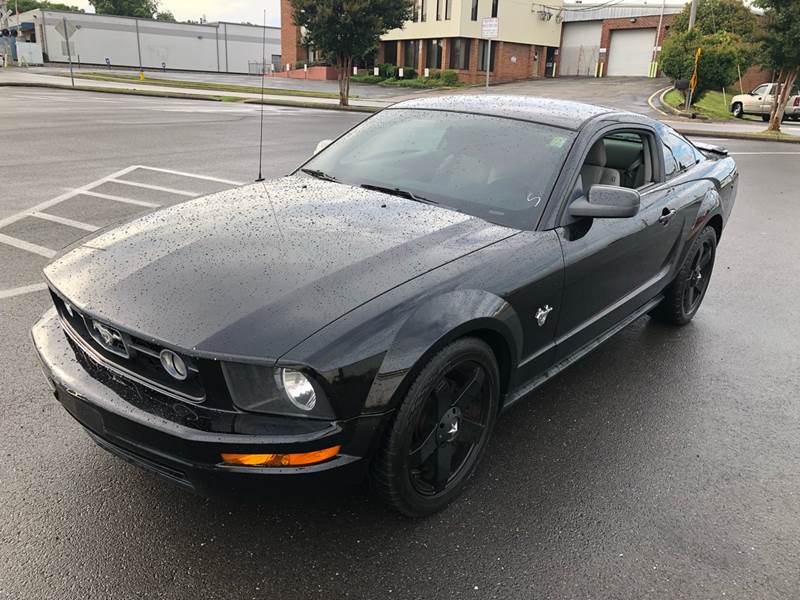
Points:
x=698, y=278
x=683, y=296
x=441, y=429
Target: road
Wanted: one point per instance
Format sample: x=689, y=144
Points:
x=664, y=465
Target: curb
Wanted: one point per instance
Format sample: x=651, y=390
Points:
x=350, y=108
x=185, y=96
x=738, y=135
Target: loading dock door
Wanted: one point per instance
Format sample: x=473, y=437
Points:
x=630, y=52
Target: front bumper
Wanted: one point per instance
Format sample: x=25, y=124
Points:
x=182, y=442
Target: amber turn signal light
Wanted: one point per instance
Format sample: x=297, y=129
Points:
x=280, y=460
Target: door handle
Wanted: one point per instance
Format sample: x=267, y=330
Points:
x=666, y=216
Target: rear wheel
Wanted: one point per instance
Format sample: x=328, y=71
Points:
x=684, y=295
x=440, y=431
x=737, y=110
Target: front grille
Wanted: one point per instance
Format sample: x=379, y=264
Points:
x=135, y=357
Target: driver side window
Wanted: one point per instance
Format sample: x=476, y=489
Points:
x=621, y=158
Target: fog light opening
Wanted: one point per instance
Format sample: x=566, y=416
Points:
x=280, y=460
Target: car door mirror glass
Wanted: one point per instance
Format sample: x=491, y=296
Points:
x=607, y=202
x=322, y=145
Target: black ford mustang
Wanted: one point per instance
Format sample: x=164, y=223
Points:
x=373, y=312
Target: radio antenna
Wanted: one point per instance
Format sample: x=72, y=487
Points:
x=263, y=76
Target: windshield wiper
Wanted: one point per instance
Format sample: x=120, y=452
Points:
x=398, y=192
x=319, y=174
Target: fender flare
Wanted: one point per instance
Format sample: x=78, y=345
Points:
x=434, y=324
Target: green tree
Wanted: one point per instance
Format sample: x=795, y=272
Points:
x=717, y=68
x=26, y=5
x=347, y=29
x=781, y=47
x=713, y=16
x=144, y=9
x=165, y=15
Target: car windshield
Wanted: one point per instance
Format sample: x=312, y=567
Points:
x=498, y=169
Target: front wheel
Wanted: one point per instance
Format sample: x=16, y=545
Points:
x=684, y=295
x=737, y=110
x=440, y=431
x=765, y=118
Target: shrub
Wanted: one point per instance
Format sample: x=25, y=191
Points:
x=436, y=75
x=387, y=71
x=721, y=52
x=409, y=73
x=366, y=78
x=449, y=77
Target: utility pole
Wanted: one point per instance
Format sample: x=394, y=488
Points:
x=692, y=15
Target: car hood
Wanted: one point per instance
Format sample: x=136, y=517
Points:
x=252, y=271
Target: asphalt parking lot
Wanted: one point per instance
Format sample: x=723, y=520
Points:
x=664, y=465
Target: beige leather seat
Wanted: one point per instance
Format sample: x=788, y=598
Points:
x=594, y=168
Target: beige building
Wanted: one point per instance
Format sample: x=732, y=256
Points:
x=446, y=34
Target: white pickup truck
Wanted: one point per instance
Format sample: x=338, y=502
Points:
x=759, y=102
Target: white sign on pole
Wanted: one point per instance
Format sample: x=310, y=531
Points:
x=376, y=71
x=489, y=28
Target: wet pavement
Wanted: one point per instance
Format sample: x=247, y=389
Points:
x=664, y=465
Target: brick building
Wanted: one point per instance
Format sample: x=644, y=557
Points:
x=445, y=34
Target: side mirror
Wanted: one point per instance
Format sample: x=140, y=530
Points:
x=322, y=145
x=606, y=202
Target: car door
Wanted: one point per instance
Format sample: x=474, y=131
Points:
x=614, y=266
x=754, y=101
x=768, y=99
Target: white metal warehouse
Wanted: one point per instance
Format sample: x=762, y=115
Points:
x=149, y=44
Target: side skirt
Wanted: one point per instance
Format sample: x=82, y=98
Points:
x=567, y=361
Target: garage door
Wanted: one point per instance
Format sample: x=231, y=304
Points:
x=580, y=45
x=630, y=52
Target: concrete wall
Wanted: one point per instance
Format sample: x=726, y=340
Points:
x=225, y=47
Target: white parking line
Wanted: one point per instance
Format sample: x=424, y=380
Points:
x=192, y=175
x=27, y=246
x=775, y=152
x=65, y=221
x=120, y=199
x=19, y=291
x=65, y=196
x=158, y=188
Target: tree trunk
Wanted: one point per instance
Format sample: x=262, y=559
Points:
x=344, y=64
x=786, y=82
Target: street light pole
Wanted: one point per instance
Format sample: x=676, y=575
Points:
x=692, y=15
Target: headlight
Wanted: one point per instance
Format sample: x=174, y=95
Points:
x=266, y=390
x=298, y=389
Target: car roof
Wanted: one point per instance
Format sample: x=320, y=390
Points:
x=561, y=113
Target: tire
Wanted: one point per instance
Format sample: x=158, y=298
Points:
x=795, y=117
x=440, y=431
x=765, y=118
x=737, y=110
x=685, y=294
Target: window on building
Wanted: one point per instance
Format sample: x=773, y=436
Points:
x=459, y=53
x=438, y=10
x=415, y=12
x=494, y=8
x=448, y=9
x=433, y=54
x=474, y=16
x=390, y=53
x=423, y=10
x=482, y=56
x=411, y=53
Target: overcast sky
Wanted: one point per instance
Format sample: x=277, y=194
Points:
x=214, y=10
